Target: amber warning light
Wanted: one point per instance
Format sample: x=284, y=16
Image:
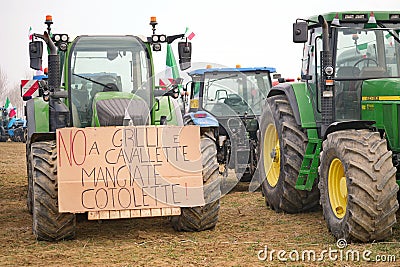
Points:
x=49, y=18
x=153, y=22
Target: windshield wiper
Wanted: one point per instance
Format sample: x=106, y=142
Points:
x=93, y=81
x=380, y=24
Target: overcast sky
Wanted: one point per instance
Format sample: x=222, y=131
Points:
x=250, y=33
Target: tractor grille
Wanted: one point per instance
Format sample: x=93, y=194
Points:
x=111, y=112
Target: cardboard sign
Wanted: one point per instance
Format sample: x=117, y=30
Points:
x=132, y=167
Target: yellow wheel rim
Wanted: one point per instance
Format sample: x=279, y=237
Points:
x=337, y=188
x=272, y=159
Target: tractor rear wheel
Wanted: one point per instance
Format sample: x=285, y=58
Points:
x=203, y=217
x=282, y=147
x=358, y=185
x=29, y=194
x=48, y=223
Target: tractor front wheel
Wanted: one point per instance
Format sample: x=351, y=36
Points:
x=203, y=217
x=48, y=223
x=283, y=144
x=358, y=185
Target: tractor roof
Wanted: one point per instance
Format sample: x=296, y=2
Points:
x=358, y=16
x=203, y=71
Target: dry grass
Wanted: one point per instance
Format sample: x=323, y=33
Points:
x=245, y=227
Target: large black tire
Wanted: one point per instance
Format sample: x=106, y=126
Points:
x=246, y=177
x=283, y=161
x=29, y=193
x=358, y=186
x=3, y=135
x=203, y=217
x=19, y=134
x=48, y=223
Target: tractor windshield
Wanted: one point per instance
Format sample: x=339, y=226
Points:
x=235, y=93
x=367, y=53
x=106, y=63
x=363, y=54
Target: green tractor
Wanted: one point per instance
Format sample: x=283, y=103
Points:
x=97, y=82
x=333, y=138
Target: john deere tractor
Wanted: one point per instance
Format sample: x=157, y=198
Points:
x=97, y=82
x=333, y=138
x=232, y=99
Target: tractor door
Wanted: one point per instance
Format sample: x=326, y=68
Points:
x=311, y=67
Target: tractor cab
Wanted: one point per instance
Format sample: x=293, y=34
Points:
x=111, y=72
x=362, y=47
x=102, y=80
x=227, y=92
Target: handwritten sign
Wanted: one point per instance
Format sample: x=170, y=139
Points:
x=132, y=167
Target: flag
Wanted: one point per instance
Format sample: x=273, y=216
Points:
x=10, y=109
x=171, y=73
x=172, y=68
x=190, y=36
x=362, y=46
x=389, y=38
x=30, y=34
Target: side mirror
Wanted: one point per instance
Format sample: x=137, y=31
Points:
x=276, y=76
x=35, y=54
x=300, y=32
x=185, y=55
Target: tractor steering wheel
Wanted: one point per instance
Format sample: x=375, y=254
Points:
x=357, y=73
x=365, y=59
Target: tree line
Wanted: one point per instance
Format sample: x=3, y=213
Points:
x=12, y=91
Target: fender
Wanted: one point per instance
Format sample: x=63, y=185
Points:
x=354, y=124
x=37, y=116
x=201, y=118
x=37, y=137
x=300, y=101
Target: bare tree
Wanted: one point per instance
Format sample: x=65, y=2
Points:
x=13, y=92
x=3, y=86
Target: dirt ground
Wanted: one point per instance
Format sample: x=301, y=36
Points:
x=247, y=234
